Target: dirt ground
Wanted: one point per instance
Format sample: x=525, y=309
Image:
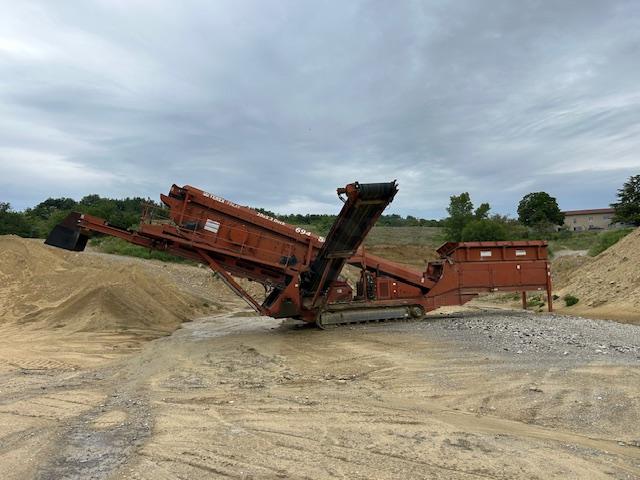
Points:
x=246, y=397
x=473, y=392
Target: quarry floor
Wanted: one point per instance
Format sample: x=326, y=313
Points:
x=496, y=394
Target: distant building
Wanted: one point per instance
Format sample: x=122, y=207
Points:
x=596, y=219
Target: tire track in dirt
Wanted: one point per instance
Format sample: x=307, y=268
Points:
x=93, y=450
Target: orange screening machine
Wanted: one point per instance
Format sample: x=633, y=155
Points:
x=301, y=271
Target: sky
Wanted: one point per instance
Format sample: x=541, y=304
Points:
x=275, y=104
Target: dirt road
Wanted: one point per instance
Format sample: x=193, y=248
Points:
x=235, y=397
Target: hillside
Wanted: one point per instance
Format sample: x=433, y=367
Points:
x=608, y=285
x=414, y=246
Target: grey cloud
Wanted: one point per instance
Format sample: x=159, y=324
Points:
x=275, y=104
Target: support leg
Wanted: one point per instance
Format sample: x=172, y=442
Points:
x=549, y=288
x=231, y=283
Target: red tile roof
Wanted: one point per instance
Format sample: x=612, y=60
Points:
x=594, y=211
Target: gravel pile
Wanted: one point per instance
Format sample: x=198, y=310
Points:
x=522, y=333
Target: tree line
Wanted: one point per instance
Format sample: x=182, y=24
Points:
x=321, y=223
x=38, y=221
x=538, y=215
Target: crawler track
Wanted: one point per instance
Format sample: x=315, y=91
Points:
x=367, y=315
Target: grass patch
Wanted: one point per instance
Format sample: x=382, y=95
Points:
x=566, y=240
x=381, y=235
x=570, y=300
x=117, y=246
x=424, y=236
x=593, y=241
x=607, y=239
x=535, y=301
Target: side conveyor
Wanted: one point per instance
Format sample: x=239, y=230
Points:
x=363, y=206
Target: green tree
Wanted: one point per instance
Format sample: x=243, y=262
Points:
x=412, y=221
x=628, y=205
x=514, y=230
x=482, y=211
x=39, y=220
x=14, y=223
x=539, y=210
x=45, y=215
x=45, y=209
x=484, y=230
x=461, y=213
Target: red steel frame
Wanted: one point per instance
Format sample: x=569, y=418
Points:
x=236, y=241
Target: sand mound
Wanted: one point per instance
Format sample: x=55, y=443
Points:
x=609, y=282
x=44, y=287
x=562, y=269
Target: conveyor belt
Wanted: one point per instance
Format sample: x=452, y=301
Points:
x=363, y=206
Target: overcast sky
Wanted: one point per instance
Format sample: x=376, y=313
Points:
x=275, y=104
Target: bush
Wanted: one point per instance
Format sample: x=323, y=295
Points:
x=535, y=301
x=562, y=235
x=483, y=231
x=118, y=246
x=607, y=239
x=566, y=239
x=570, y=300
x=14, y=222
